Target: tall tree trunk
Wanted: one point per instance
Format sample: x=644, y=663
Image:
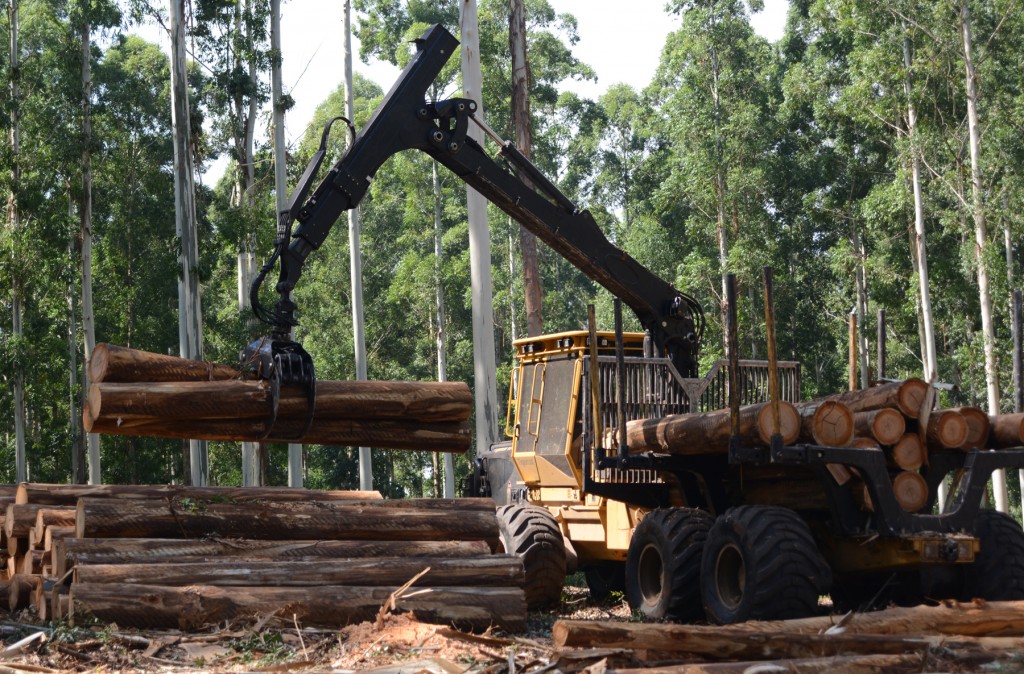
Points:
x=981, y=240
x=14, y=222
x=356, y=257
x=439, y=310
x=524, y=140
x=190, y=325
x=920, y=256
x=484, y=367
x=862, y=307
x=78, y=460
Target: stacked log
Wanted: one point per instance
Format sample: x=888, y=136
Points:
x=140, y=393
x=182, y=557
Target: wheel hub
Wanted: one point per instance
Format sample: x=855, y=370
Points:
x=730, y=576
x=650, y=573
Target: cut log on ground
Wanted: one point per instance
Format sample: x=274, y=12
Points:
x=122, y=364
x=826, y=422
x=708, y=433
x=486, y=571
x=946, y=429
x=730, y=644
x=234, y=399
x=57, y=517
x=886, y=425
x=408, y=520
x=21, y=590
x=908, y=453
x=1007, y=430
x=448, y=436
x=147, y=606
x=39, y=493
x=847, y=664
x=20, y=519
x=905, y=396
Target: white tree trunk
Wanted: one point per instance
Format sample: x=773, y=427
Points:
x=862, y=309
x=356, y=256
x=442, y=351
x=85, y=217
x=981, y=241
x=14, y=222
x=190, y=324
x=484, y=368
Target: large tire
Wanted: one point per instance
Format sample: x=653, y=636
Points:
x=532, y=534
x=663, y=564
x=761, y=563
x=997, y=573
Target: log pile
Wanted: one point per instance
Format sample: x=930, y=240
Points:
x=897, y=639
x=182, y=557
x=140, y=393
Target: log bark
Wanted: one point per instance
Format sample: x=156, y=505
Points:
x=708, y=433
x=447, y=436
x=485, y=571
x=1007, y=430
x=21, y=590
x=407, y=520
x=68, y=494
x=121, y=364
x=55, y=533
x=148, y=606
x=20, y=519
x=32, y=563
x=978, y=427
x=908, y=453
x=235, y=399
x=826, y=422
x=906, y=396
x=885, y=425
x=730, y=644
x=47, y=517
x=946, y=429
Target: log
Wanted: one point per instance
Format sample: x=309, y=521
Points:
x=906, y=396
x=68, y=494
x=978, y=426
x=485, y=571
x=149, y=606
x=1006, y=430
x=908, y=453
x=826, y=422
x=32, y=562
x=708, y=433
x=730, y=644
x=55, y=533
x=911, y=490
x=46, y=517
x=885, y=425
x=447, y=436
x=408, y=520
x=20, y=519
x=866, y=443
x=845, y=664
x=122, y=364
x=946, y=429
x=235, y=399
x=21, y=590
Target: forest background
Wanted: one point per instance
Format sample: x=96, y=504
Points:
x=868, y=134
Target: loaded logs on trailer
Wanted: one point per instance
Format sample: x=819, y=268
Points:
x=140, y=393
x=210, y=554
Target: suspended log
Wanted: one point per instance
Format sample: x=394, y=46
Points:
x=1007, y=430
x=906, y=396
x=977, y=427
x=708, y=433
x=866, y=443
x=885, y=425
x=826, y=422
x=235, y=399
x=946, y=429
x=122, y=364
x=46, y=517
x=148, y=606
x=908, y=453
x=446, y=436
x=68, y=494
x=413, y=520
x=485, y=571
x=725, y=643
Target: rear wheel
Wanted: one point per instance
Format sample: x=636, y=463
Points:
x=663, y=564
x=532, y=534
x=761, y=563
x=997, y=573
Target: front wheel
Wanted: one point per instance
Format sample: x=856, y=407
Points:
x=997, y=573
x=663, y=564
x=532, y=534
x=761, y=563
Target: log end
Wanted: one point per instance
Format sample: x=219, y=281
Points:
x=912, y=395
x=911, y=491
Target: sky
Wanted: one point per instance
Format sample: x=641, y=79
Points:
x=620, y=46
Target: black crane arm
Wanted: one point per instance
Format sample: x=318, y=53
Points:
x=405, y=120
